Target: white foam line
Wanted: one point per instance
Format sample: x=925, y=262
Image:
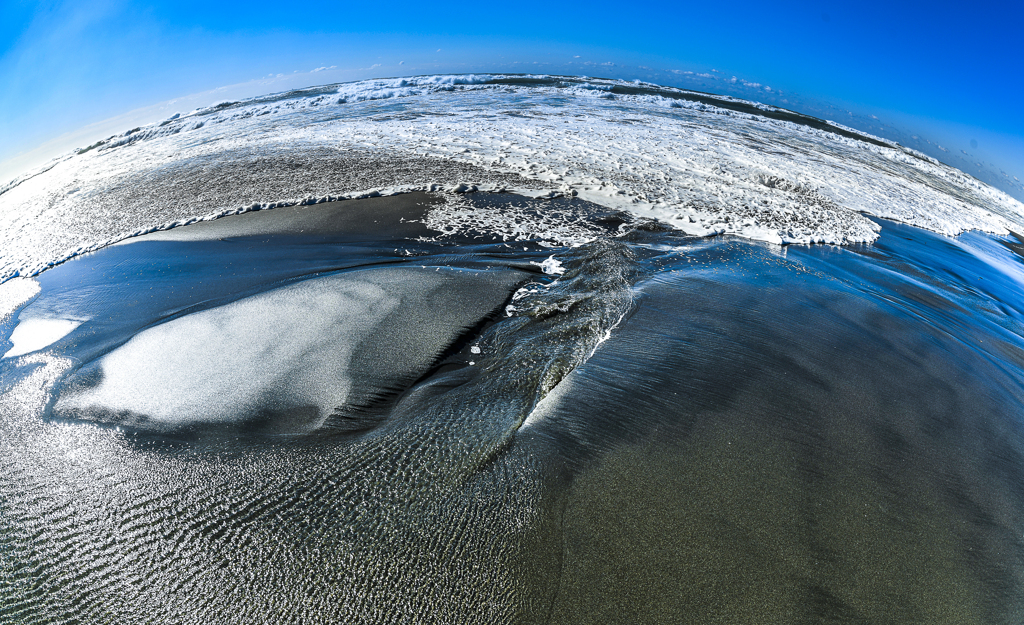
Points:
x=607, y=335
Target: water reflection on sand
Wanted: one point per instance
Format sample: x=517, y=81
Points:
x=675, y=429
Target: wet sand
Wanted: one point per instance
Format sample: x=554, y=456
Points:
x=789, y=457
x=396, y=217
x=750, y=434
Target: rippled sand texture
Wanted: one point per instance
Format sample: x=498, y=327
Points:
x=378, y=389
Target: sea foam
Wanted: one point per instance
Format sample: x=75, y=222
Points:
x=699, y=163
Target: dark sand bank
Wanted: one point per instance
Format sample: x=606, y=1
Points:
x=395, y=217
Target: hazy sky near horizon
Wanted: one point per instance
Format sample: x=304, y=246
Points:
x=950, y=73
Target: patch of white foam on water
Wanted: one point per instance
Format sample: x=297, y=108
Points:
x=511, y=222
x=551, y=266
x=703, y=168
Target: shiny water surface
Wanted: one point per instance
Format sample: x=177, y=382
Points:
x=336, y=413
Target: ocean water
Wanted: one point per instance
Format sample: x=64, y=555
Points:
x=509, y=349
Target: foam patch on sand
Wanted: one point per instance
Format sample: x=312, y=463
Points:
x=700, y=167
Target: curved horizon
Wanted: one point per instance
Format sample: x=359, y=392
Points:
x=932, y=79
x=64, y=145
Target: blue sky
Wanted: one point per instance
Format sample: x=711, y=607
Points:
x=949, y=74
